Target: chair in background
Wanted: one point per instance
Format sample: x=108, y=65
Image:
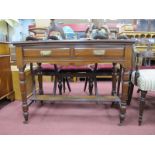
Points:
x=144, y=78
x=53, y=71
x=54, y=32
x=105, y=70
x=60, y=81
x=100, y=69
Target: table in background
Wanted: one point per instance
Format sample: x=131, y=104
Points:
x=6, y=88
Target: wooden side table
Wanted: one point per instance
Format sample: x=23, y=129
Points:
x=104, y=51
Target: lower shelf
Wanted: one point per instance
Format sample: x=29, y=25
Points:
x=75, y=98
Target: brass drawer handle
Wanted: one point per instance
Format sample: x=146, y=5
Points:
x=99, y=52
x=45, y=53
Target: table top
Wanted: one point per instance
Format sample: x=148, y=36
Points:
x=82, y=41
x=4, y=42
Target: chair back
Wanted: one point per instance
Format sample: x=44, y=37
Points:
x=146, y=56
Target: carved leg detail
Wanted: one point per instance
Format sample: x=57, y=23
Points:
x=119, y=80
x=23, y=93
x=141, y=106
x=25, y=112
x=114, y=79
x=33, y=80
x=124, y=96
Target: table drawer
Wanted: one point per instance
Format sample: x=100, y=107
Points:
x=99, y=52
x=48, y=52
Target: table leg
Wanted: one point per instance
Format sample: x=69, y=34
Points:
x=33, y=80
x=119, y=80
x=40, y=80
x=124, y=96
x=23, y=93
x=114, y=79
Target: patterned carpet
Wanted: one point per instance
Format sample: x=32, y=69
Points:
x=77, y=118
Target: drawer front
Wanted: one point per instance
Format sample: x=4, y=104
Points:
x=48, y=52
x=99, y=52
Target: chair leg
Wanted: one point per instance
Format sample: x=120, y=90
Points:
x=130, y=92
x=141, y=106
x=63, y=83
x=55, y=85
x=40, y=82
x=90, y=86
x=95, y=86
x=68, y=85
x=60, y=85
x=85, y=85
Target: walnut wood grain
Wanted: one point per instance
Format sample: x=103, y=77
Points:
x=76, y=52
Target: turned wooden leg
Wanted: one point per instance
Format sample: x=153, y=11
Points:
x=114, y=79
x=23, y=93
x=141, y=106
x=33, y=80
x=124, y=96
x=119, y=80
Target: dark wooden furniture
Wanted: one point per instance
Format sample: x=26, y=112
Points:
x=143, y=78
x=53, y=71
x=6, y=87
x=101, y=51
